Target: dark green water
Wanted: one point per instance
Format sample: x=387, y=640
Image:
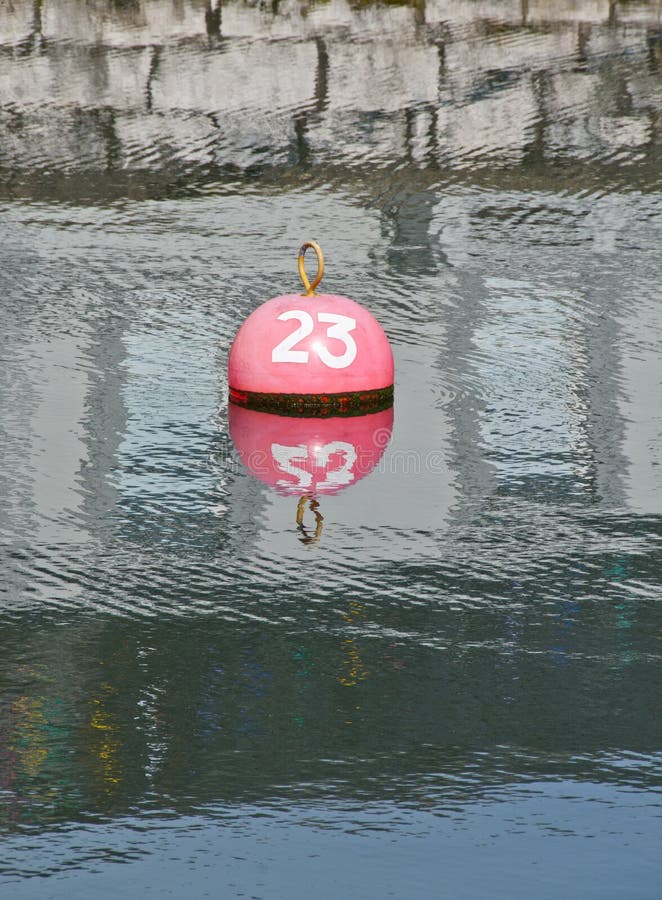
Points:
x=454, y=691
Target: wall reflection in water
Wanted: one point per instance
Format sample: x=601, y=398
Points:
x=216, y=712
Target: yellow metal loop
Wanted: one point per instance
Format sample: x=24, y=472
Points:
x=310, y=288
x=313, y=506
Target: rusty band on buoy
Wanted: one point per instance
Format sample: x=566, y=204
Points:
x=310, y=288
x=348, y=403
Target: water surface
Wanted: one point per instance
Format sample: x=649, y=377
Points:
x=454, y=691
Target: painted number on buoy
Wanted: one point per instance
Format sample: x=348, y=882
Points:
x=286, y=457
x=339, y=327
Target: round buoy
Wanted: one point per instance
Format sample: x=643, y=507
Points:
x=311, y=354
x=311, y=456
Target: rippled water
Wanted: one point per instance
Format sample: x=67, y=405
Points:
x=452, y=686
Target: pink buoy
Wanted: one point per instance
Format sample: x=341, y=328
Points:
x=313, y=456
x=308, y=354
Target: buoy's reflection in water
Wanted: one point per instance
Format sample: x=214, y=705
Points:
x=309, y=457
x=313, y=505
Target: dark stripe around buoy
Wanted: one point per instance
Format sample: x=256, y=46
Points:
x=353, y=403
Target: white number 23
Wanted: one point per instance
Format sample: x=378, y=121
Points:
x=339, y=328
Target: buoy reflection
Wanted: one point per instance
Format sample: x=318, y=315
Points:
x=309, y=458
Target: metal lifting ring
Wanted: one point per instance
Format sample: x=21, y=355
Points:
x=310, y=288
